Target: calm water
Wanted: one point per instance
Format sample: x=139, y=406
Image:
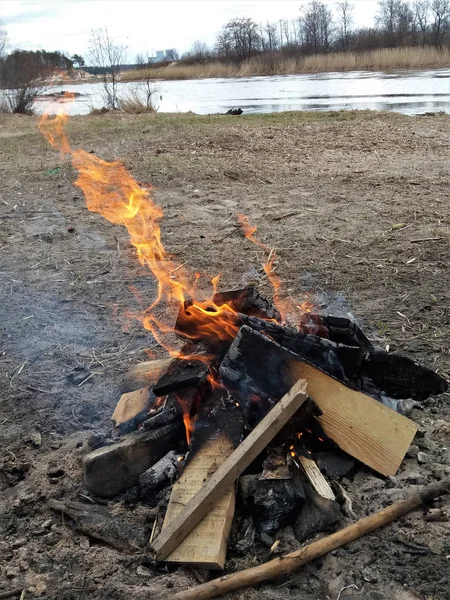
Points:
x=409, y=92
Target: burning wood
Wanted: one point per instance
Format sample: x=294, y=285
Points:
x=231, y=380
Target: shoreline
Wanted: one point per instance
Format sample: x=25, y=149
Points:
x=383, y=60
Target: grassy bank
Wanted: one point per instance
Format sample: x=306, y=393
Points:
x=377, y=60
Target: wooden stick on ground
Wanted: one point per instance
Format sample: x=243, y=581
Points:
x=290, y=563
x=220, y=482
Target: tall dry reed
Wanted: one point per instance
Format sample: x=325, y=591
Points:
x=377, y=60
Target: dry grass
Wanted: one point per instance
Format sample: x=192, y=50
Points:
x=378, y=60
x=133, y=105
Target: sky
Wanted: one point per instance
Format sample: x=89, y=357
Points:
x=143, y=25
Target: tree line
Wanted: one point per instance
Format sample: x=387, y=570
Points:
x=320, y=29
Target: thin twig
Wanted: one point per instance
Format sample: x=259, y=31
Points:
x=154, y=528
x=347, y=587
x=430, y=239
x=11, y=593
x=236, y=228
x=18, y=372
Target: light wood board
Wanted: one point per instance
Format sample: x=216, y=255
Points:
x=315, y=478
x=213, y=489
x=206, y=545
x=131, y=405
x=361, y=426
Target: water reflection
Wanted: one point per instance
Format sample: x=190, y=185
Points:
x=409, y=92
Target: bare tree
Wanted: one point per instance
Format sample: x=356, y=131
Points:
x=24, y=75
x=269, y=37
x=317, y=21
x=3, y=41
x=345, y=21
x=199, y=53
x=421, y=9
x=395, y=19
x=239, y=39
x=440, y=10
x=108, y=54
x=145, y=86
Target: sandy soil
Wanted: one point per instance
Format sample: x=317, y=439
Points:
x=343, y=198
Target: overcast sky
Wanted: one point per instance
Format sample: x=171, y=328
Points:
x=142, y=24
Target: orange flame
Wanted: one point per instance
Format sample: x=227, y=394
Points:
x=111, y=191
x=187, y=419
x=285, y=306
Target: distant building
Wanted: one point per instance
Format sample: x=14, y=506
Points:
x=165, y=55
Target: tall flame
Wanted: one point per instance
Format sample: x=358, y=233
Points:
x=112, y=192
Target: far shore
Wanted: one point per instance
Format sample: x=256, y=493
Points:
x=387, y=59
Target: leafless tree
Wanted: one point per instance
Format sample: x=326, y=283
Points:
x=3, y=41
x=421, y=9
x=199, y=53
x=345, y=21
x=24, y=77
x=395, y=19
x=146, y=85
x=317, y=21
x=440, y=9
x=108, y=55
x=239, y=39
x=269, y=37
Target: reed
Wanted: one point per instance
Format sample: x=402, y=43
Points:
x=377, y=60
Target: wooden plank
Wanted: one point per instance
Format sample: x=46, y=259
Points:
x=364, y=428
x=315, y=477
x=144, y=374
x=111, y=470
x=132, y=409
x=229, y=471
x=206, y=545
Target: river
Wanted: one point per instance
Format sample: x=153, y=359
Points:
x=408, y=92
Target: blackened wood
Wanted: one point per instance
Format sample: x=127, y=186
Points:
x=362, y=369
x=101, y=525
x=249, y=302
x=273, y=503
x=401, y=377
x=219, y=414
x=338, y=360
x=180, y=375
x=160, y=474
x=111, y=470
x=337, y=329
x=163, y=417
x=229, y=471
x=257, y=366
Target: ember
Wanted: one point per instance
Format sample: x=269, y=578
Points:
x=234, y=387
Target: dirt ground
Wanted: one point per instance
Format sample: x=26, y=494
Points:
x=344, y=199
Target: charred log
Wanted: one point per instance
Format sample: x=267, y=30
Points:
x=159, y=475
x=248, y=301
x=371, y=371
x=99, y=524
x=400, y=377
x=318, y=514
x=180, y=375
x=274, y=503
x=337, y=329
